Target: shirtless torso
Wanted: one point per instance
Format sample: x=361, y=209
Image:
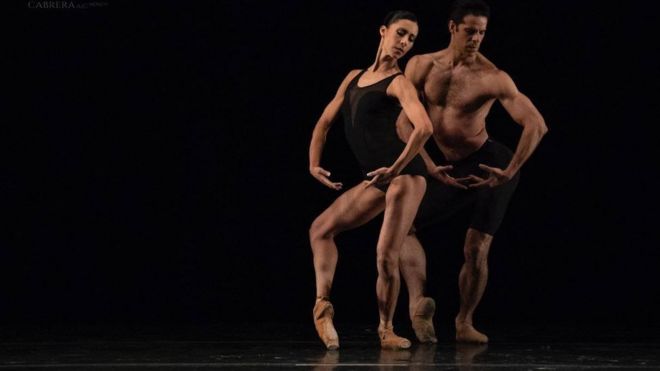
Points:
x=458, y=99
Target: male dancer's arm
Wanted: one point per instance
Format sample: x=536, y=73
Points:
x=522, y=111
x=321, y=131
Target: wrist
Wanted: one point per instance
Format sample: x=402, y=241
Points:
x=510, y=172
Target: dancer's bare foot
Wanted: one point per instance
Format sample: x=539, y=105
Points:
x=390, y=340
x=466, y=333
x=323, y=313
x=422, y=320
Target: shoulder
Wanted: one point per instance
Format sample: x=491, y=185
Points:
x=503, y=84
x=418, y=67
x=489, y=69
x=422, y=63
x=351, y=75
x=485, y=63
x=441, y=57
x=347, y=80
x=401, y=86
x=496, y=77
x=420, y=60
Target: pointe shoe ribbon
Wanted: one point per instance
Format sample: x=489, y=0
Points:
x=323, y=313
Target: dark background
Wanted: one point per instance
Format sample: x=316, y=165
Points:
x=157, y=163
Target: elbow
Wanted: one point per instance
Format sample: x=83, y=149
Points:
x=542, y=127
x=536, y=125
x=425, y=134
x=425, y=131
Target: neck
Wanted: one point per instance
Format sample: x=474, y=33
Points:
x=460, y=56
x=384, y=64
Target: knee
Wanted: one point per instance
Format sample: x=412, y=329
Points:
x=405, y=184
x=476, y=254
x=387, y=266
x=396, y=191
x=320, y=230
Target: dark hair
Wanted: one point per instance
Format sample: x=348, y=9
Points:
x=396, y=15
x=461, y=8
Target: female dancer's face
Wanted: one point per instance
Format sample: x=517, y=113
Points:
x=398, y=37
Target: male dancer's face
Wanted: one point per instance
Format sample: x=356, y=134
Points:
x=398, y=38
x=468, y=35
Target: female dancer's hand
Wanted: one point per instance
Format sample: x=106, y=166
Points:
x=383, y=175
x=322, y=176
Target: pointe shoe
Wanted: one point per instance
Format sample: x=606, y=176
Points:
x=323, y=313
x=422, y=321
x=466, y=333
x=390, y=340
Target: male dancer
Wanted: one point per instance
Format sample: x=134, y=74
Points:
x=459, y=86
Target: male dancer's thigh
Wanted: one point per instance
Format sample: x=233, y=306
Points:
x=441, y=203
x=491, y=205
x=485, y=206
x=353, y=208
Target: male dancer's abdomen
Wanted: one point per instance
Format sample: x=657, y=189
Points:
x=457, y=137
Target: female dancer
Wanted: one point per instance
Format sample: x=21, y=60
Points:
x=371, y=101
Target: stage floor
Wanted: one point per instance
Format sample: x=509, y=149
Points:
x=101, y=347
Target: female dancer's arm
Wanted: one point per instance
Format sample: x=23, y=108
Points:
x=403, y=89
x=320, y=132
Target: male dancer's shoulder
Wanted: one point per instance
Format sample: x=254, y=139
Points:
x=418, y=68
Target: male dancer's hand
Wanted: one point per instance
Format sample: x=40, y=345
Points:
x=382, y=175
x=322, y=176
x=441, y=173
x=496, y=177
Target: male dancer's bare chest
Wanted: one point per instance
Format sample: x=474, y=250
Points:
x=456, y=99
x=462, y=90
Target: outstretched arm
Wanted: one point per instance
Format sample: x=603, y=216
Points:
x=524, y=113
x=321, y=131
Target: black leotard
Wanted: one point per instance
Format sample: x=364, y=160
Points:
x=370, y=124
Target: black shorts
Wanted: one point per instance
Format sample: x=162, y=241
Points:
x=486, y=206
x=415, y=167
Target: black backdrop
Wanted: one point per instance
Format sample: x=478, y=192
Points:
x=157, y=166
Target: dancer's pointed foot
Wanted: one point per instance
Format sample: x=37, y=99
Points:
x=422, y=320
x=323, y=313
